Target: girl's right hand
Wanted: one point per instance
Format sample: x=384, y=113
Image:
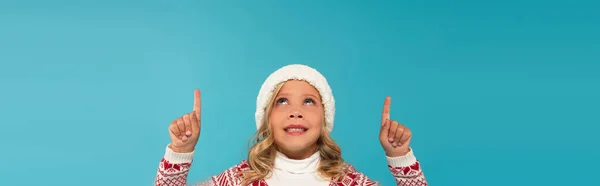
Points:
x=185, y=130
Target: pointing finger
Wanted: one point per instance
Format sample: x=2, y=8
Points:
x=195, y=124
x=385, y=114
x=197, y=103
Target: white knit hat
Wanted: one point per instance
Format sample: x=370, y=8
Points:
x=296, y=72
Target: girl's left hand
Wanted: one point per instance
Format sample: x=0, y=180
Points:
x=394, y=137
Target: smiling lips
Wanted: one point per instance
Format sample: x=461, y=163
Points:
x=295, y=130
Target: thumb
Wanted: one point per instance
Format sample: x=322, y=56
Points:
x=383, y=134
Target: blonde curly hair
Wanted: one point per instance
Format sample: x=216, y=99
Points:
x=261, y=154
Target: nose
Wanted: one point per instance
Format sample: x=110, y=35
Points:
x=295, y=114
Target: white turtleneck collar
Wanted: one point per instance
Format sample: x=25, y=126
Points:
x=290, y=172
x=310, y=164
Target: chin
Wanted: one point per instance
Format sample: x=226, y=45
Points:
x=296, y=146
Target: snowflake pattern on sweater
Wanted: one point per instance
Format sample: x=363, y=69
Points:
x=175, y=174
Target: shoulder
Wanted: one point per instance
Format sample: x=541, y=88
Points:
x=353, y=177
x=230, y=176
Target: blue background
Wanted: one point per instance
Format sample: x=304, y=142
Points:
x=496, y=92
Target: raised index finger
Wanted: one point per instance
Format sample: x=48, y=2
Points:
x=385, y=114
x=197, y=103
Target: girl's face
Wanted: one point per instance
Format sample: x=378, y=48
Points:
x=296, y=119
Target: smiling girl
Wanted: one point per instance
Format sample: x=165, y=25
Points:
x=294, y=115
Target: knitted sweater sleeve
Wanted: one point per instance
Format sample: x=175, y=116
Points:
x=173, y=170
x=407, y=170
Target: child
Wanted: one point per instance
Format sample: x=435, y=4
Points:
x=294, y=114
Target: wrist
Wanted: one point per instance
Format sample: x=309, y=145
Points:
x=181, y=149
x=397, y=153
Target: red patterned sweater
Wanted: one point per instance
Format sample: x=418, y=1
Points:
x=173, y=171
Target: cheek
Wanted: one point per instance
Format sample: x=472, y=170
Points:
x=316, y=118
x=275, y=119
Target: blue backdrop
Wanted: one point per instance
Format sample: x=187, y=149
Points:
x=496, y=92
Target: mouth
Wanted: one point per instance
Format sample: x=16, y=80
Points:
x=295, y=130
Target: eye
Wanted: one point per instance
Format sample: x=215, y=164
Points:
x=281, y=101
x=309, y=101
